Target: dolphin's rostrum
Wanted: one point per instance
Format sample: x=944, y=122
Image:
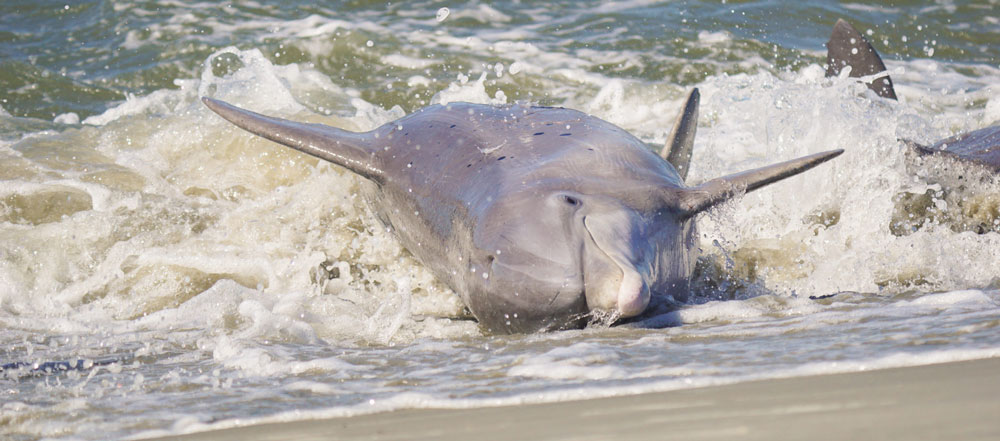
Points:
x=539, y=218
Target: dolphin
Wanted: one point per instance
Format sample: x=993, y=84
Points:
x=848, y=48
x=34, y=369
x=540, y=218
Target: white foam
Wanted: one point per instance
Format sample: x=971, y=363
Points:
x=714, y=37
x=67, y=118
x=965, y=298
x=257, y=361
x=408, y=62
x=991, y=113
x=463, y=90
x=581, y=361
x=482, y=13
x=758, y=119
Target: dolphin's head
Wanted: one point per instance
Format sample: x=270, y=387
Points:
x=596, y=229
x=590, y=231
x=563, y=256
x=633, y=251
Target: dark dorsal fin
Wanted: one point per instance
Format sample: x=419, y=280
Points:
x=847, y=47
x=351, y=150
x=697, y=199
x=677, y=151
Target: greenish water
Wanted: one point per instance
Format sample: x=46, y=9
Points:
x=85, y=56
x=240, y=282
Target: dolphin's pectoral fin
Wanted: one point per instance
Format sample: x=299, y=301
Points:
x=351, y=150
x=680, y=143
x=847, y=47
x=697, y=199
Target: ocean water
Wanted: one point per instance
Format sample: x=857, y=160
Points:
x=206, y=278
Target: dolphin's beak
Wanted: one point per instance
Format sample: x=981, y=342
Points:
x=612, y=281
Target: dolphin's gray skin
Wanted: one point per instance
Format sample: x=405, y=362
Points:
x=979, y=146
x=33, y=369
x=539, y=218
x=847, y=47
x=681, y=145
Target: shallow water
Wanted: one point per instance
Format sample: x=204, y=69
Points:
x=235, y=281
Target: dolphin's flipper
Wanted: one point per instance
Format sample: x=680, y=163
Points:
x=697, y=199
x=847, y=47
x=679, y=146
x=351, y=150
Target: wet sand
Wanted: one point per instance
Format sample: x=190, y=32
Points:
x=944, y=401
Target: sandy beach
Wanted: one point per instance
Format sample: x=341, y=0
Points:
x=934, y=402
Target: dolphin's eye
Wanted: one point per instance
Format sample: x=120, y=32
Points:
x=570, y=200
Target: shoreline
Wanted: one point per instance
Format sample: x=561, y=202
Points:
x=955, y=400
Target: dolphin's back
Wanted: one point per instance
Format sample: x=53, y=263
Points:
x=470, y=153
x=980, y=146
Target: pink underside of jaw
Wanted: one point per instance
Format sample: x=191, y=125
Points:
x=633, y=297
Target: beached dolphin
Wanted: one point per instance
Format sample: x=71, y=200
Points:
x=539, y=218
x=848, y=48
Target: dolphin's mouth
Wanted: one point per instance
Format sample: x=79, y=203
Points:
x=611, y=281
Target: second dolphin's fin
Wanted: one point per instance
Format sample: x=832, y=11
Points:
x=847, y=47
x=351, y=150
x=680, y=143
x=702, y=197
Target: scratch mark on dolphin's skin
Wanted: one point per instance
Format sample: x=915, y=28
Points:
x=489, y=150
x=553, y=301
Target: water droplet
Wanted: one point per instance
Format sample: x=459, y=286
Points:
x=443, y=14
